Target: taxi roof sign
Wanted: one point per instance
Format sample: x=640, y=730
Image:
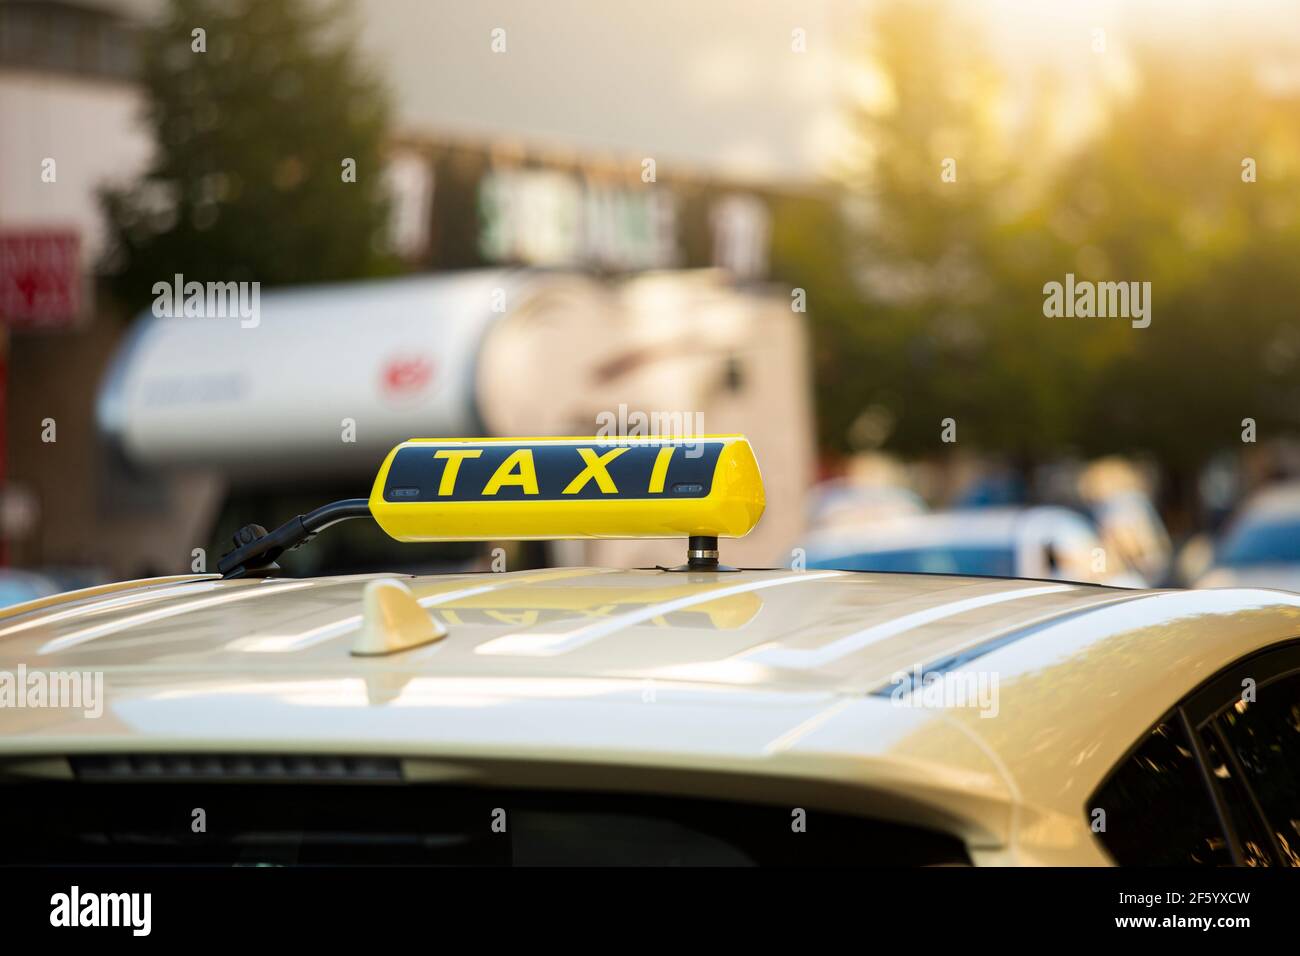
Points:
x=493, y=489
x=486, y=489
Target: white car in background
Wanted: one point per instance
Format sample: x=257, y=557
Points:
x=1118, y=497
x=1034, y=542
x=1261, y=547
x=842, y=501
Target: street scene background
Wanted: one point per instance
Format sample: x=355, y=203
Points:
x=1004, y=287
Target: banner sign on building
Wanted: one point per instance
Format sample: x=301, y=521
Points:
x=40, y=278
x=550, y=218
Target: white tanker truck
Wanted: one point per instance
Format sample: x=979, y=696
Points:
x=257, y=422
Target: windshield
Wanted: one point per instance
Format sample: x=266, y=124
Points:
x=1273, y=543
x=990, y=561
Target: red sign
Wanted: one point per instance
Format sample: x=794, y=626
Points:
x=406, y=377
x=40, y=278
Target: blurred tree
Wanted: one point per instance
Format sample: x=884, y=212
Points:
x=951, y=271
x=254, y=120
x=1159, y=196
x=810, y=249
x=941, y=226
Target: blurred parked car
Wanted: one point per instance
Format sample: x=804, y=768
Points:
x=842, y=501
x=1261, y=547
x=1117, y=495
x=1131, y=528
x=1036, y=542
x=996, y=488
x=19, y=586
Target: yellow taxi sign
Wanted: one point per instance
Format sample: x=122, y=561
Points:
x=484, y=489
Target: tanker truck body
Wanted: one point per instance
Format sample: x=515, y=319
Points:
x=248, y=421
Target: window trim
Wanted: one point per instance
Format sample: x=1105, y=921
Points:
x=1207, y=781
x=1256, y=810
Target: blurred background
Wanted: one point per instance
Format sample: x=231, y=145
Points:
x=828, y=225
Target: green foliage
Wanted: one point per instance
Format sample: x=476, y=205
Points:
x=1159, y=196
x=247, y=181
x=935, y=306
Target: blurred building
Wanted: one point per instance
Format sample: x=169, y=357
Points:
x=69, y=122
x=464, y=199
x=467, y=204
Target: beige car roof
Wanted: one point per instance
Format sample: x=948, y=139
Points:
x=779, y=630
x=697, y=679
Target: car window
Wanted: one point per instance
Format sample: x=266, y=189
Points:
x=1234, y=794
x=995, y=562
x=1262, y=543
x=1265, y=739
x=1156, y=809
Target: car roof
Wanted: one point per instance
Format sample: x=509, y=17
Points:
x=787, y=676
x=757, y=627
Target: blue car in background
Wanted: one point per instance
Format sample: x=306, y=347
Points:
x=1034, y=542
x=19, y=586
